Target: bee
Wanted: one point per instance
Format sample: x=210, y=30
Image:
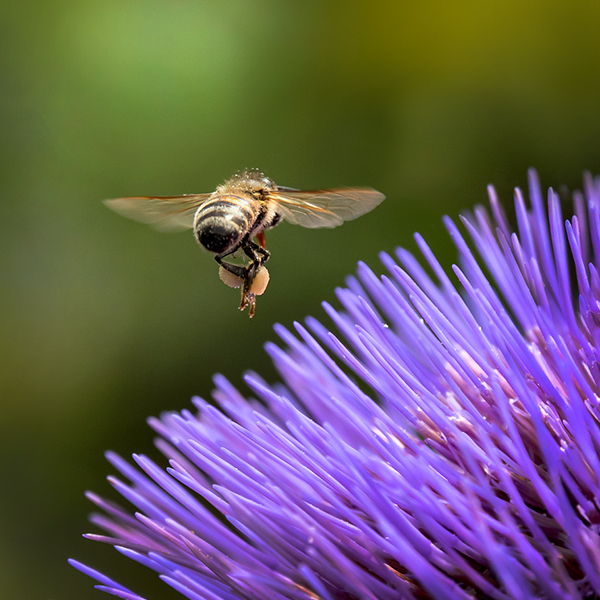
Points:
x=240, y=210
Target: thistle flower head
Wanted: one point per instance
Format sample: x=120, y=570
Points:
x=444, y=444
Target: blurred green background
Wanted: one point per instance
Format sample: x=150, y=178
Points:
x=105, y=321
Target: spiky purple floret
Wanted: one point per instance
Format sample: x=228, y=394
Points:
x=454, y=454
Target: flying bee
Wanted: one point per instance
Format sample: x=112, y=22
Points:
x=240, y=211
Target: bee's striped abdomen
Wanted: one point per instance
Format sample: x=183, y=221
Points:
x=221, y=223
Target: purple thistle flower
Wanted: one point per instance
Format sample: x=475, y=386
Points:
x=446, y=445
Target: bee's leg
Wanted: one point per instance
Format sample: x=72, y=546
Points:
x=261, y=240
x=237, y=270
x=242, y=274
x=259, y=257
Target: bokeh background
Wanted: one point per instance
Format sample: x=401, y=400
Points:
x=104, y=321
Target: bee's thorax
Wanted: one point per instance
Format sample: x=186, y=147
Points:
x=250, y=181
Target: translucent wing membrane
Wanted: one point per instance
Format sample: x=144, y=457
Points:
x=167, y=213
x=325, y=208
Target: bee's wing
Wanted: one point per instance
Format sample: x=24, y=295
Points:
x=325, y=208
x=167, y=213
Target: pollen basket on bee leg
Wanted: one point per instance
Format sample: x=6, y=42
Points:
x=258, y=287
